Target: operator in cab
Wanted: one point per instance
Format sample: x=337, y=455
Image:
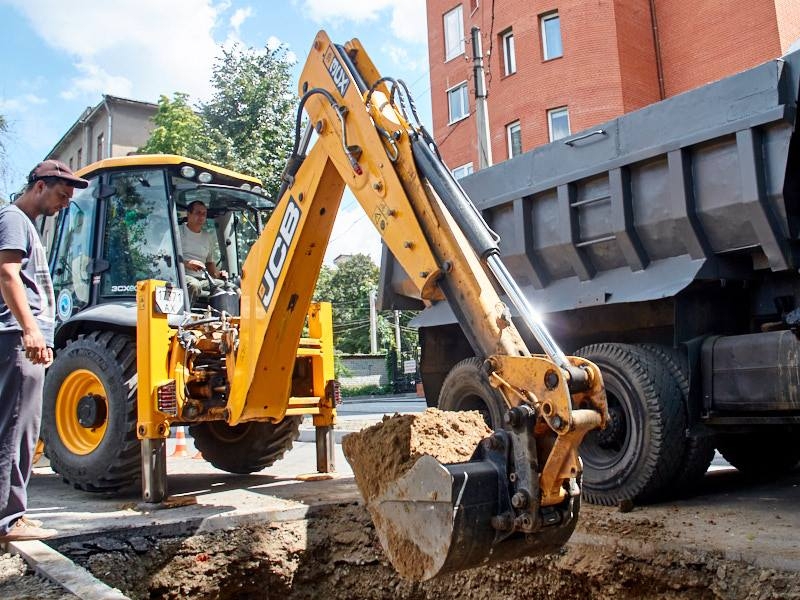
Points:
x=198, y=251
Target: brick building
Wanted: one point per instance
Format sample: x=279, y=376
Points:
x=557, y=67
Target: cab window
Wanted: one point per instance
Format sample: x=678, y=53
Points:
x=137, y=243
x=72, y=252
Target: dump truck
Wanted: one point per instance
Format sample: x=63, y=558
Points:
x=134, y=358
x=663, y=246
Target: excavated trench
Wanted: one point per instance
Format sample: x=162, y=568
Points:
x=337, y=555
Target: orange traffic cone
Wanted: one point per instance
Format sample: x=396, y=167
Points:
x=180, y=443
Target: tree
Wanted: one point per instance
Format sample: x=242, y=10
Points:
x=179, y=130
x=252, y=112
x=348, y=288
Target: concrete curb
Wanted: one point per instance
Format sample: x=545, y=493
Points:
x=310, y=435
x=62, y=571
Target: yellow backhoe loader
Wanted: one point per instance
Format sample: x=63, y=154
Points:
x=223, y=372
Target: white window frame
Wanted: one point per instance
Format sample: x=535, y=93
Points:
x=451, y=117
x=546, y=51
x=454, y=48
x=463, y=170
x=509, y=138
x=509, y=53
x=550, y=114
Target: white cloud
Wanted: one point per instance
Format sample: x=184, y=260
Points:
x=407, y=22
x=156, y=47
x=20, y=104
x=94, y=81
x=239, y=17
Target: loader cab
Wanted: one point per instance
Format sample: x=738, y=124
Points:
x=124, y=227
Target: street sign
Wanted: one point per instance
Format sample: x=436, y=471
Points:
x=409, y=366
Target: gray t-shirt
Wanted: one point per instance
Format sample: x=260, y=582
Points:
x=18, y=233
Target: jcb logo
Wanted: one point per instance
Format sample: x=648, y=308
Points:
x=337, y=72
x=280, y=250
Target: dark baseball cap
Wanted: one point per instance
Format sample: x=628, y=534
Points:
x=56, y=168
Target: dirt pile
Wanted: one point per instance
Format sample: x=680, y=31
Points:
x=382, y=454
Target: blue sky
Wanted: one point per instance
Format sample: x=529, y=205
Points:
x=57, y=58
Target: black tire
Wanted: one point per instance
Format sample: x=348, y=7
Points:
x=247, y=447
x=638, y=454
x=699, y=451
x=764, y=454
x=466, y=387
x=106, y=457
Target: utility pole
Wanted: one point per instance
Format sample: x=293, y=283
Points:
x=397, y=332
x=481, y=103
x=373, y=324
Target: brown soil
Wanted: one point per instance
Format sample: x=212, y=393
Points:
x=383, y=453
x=338, y=556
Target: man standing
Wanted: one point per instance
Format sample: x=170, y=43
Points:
x=26, y=338
x=198, y=251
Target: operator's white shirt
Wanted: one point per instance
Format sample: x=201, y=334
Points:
x=197, y=246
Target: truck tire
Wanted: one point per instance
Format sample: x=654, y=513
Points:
x=247, y=447
x=96, y=375
x=637, y=456
x=763, y=454
x=699, y=451
x=466, y=387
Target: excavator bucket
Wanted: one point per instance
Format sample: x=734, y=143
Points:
x=440, y=518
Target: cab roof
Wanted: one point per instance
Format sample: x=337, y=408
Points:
x=158, y=160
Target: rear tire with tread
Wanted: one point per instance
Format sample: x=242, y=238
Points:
x=246, y=447
x=639, y=453
x=699, y=451
x=466, y=387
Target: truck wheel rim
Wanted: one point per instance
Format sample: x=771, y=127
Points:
x=604, y=449
x=76, y=438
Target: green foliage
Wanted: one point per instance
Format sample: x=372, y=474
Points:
x=365, y=390
x=252, y=112
x=348, y=288
x=179, y=130
x=247, y=126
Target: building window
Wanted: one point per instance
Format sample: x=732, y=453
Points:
x=514, y=139
x=458, y=101
x=80, y=157
x=453, y=33
x=462, y=171
x=551, y=36
x=558, y=123
x=100, y=154
x=70, y=164
x=509, y=57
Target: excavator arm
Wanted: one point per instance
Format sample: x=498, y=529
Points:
x=369, y=139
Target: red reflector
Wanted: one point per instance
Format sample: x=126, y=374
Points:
x=333, y=391
x=167, y=397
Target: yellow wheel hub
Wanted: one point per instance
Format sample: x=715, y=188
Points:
x=77, y=438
